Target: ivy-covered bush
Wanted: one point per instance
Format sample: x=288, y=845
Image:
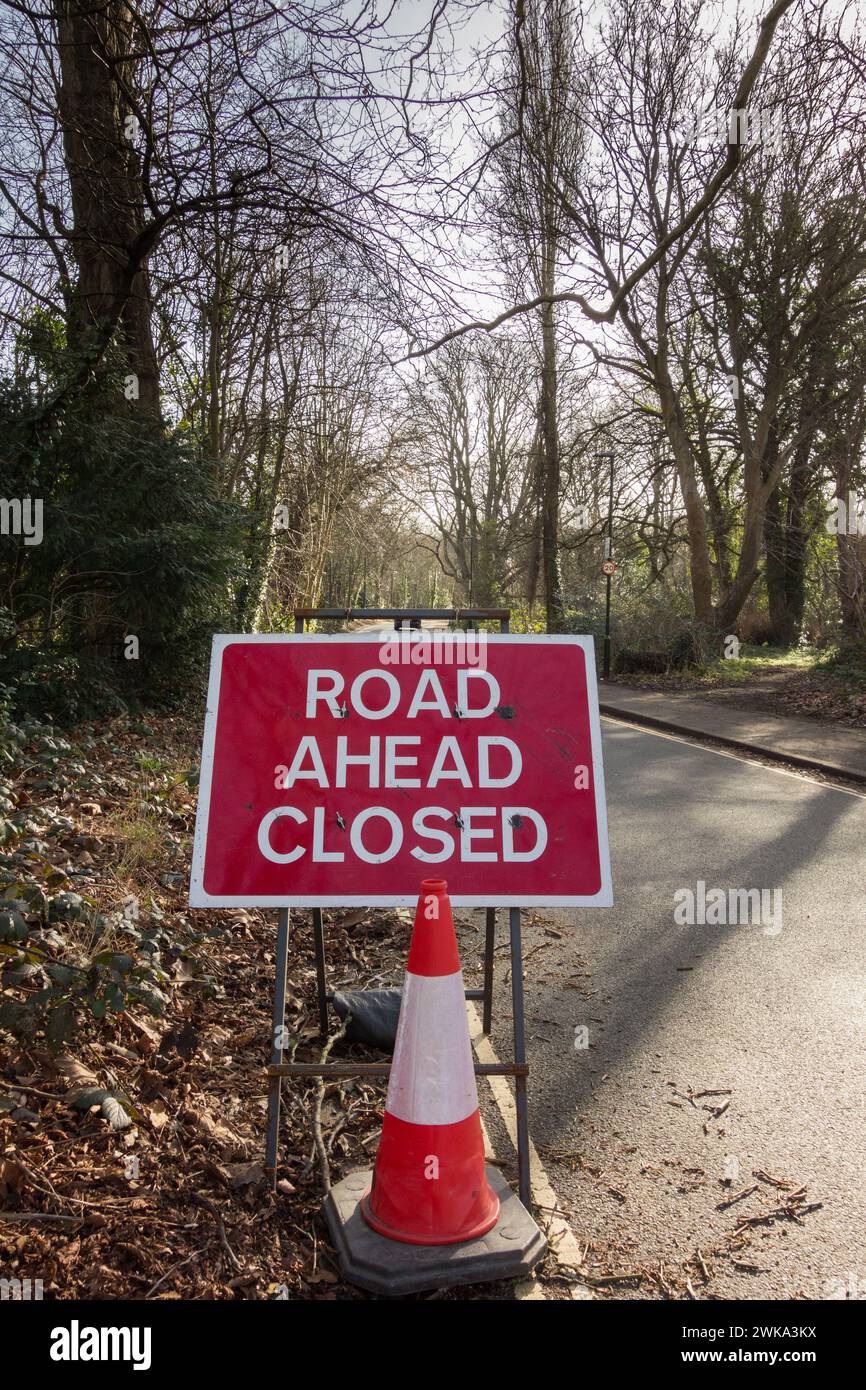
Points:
x=64, y=961
x=115, y=605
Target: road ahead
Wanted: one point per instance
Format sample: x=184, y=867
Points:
x=774, y=1013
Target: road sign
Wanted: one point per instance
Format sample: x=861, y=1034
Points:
x=341, y=770
x=608, y=567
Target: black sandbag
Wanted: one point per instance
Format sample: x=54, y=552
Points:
x=375, y=1013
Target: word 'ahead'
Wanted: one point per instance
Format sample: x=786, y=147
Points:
x=333, y=776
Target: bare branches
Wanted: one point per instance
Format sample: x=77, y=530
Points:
x=674, y=235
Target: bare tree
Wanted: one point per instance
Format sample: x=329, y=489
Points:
x=133, y=123
x=472, y=434
x=540, y=134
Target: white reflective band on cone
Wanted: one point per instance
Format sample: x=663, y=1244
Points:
x=432, y=1076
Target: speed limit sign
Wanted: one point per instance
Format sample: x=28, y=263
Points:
x=608, y=567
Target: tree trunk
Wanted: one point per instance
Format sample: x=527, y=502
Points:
x=786, y=542
x=851, y=546
x=700, y=565
x=728, y=611
x=105, y=185
x=718, y=528
x=852, y=590
x=547, y=407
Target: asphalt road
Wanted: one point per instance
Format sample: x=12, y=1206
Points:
x=775, y=1014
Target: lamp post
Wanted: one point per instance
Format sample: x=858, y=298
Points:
x=608, y=555
x=472, y=565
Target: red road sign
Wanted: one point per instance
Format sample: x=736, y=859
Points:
x=342, y=770
x=608, y=567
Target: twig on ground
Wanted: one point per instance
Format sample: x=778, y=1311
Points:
x=180, y=1264
x=221, y=1230
x=42, y=1216
x=324, y=1166
x=732, y=1201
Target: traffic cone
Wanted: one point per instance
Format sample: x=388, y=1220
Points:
x=429, y=1184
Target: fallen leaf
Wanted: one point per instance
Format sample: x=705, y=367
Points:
x=245, y=1174
x=185, y=1042
x=351, y=919
x=115, y=1113
x=215, y=1129
x=12, y=1176
x=158, y=1114
x=147, y=1038
x=73, y=1070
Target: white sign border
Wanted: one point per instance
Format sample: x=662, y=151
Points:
x=199, y=898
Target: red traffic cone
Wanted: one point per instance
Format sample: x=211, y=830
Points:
x=429, y=1184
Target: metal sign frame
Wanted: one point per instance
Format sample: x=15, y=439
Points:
x=518, y=1068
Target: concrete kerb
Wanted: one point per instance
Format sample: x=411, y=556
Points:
x=761, y=750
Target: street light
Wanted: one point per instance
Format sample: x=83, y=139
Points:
x=608, y=556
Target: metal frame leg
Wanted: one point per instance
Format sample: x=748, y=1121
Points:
x=279, y=1018
x=524, y=1186
x=489, y=943
x=321, y=982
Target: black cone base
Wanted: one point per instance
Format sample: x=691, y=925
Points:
x=383, y=1266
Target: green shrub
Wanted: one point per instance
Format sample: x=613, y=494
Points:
x=137, y=543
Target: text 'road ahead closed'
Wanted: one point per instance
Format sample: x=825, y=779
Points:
x=335, y=772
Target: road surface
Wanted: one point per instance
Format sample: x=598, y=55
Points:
x=772, y=1015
